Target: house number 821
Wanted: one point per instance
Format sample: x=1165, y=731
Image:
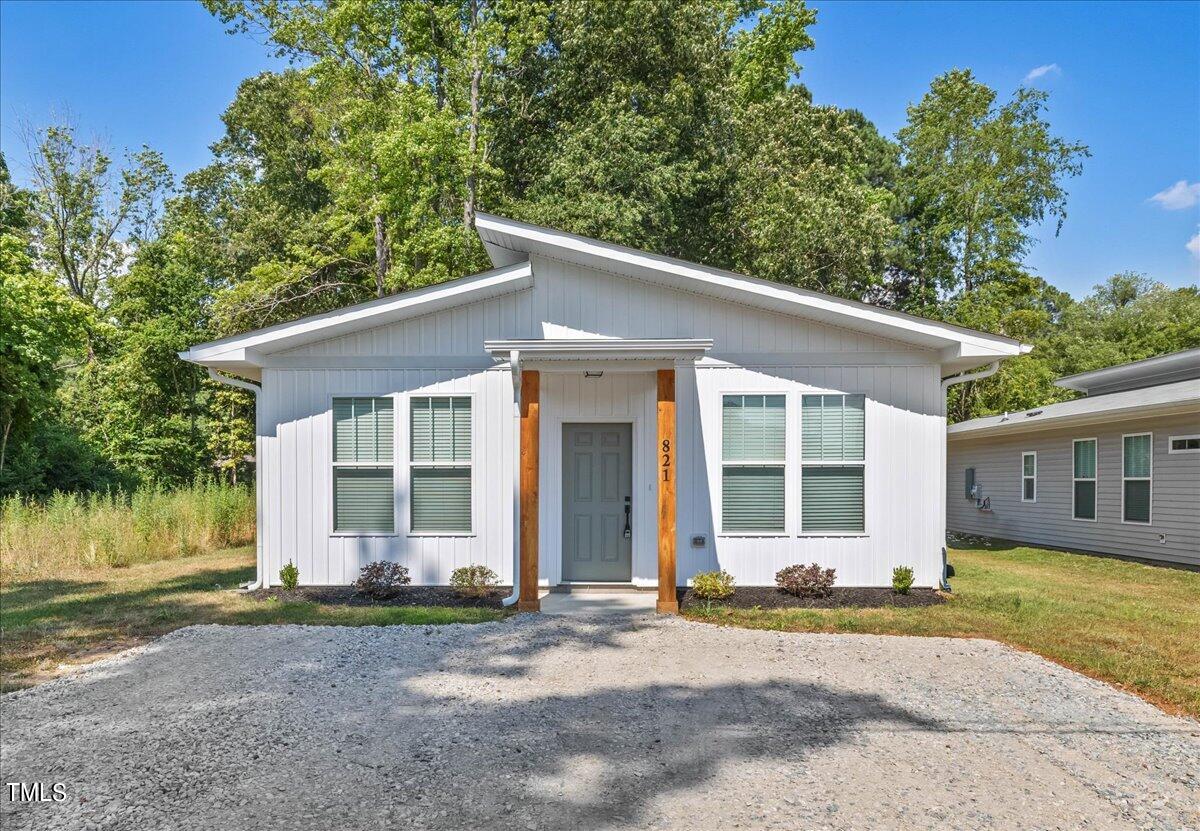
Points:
x=666, y=460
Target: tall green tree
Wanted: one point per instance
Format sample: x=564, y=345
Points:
x=976, y=177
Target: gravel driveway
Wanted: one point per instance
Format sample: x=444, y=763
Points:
x=549, y=723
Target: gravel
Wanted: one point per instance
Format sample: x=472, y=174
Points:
x=549, y=723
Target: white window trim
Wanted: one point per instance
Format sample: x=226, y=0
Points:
x=1172, y=439
x=409, y=464
x=1150, y=479
x=1094, y=479
x=865, y=532
x=1032, y=453
x=333, y=532
x=782, y=463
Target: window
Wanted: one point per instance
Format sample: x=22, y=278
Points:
x=1184, y=444
x=441, y=464
x=363, y=500
x=831, y=491
x=1136, y=473
x=753, y=444
x=1083, y=497
x=1029, y=477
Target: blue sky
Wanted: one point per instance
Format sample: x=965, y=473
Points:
x=1124, y=78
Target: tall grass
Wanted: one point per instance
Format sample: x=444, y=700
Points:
x=68, y=532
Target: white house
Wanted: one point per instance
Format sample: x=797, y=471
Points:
x=587, y=412
x=1116, y=471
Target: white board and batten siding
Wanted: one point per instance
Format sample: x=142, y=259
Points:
x=1173, y=533
x=754, y=351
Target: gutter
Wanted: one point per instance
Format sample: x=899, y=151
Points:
x=255, y=389
x=514, y=365
x=947, y=383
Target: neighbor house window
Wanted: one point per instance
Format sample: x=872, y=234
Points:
x=753, y=446
x=1029, y=477
x=1184, y=444
x=833, y=446
x=1136, y=473
x=441, y=464
x=1084, y=479
x=363, y=500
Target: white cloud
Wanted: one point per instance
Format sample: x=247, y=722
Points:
x=1193, y=245
x=1042, y=71
x=1180, y=195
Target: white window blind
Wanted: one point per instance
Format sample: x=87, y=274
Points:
x=363, y=482
x=753, y=442
x=440, y=464
x=833, y=433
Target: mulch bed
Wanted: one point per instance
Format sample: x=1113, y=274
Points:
x=408, y=596
x=769, y=597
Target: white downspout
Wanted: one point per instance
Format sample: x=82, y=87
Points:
x=258, y=545
x=514, y=363
x=947, y=383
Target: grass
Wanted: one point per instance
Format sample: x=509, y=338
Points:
x=68, y=532
x=48, y=620
x=1132, y=625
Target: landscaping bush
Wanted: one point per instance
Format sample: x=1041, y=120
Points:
x=902, y=579
x=289, y=576
x=805, y=581
x=474, y=581
x=382, y=580
x=712, y=585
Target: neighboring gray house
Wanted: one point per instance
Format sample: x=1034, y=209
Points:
x=1115, y=472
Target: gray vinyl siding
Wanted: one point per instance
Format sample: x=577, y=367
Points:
x=1175, y=492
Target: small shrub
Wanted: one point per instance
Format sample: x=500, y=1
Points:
x=902, y=579
x=712, y=585
x=474, y=581
x=805, y=581
x=289, y=576
x=381, y=580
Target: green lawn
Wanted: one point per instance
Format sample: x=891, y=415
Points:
x=44, y=622
x=1132, y=625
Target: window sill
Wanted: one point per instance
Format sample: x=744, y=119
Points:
x=419, y=534
x=1083, y=519
x=754, y=534
x=344, y=534
x=839, y=534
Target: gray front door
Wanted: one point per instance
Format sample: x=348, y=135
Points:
x=597, y=487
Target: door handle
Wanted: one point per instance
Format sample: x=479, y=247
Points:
x=628, y=530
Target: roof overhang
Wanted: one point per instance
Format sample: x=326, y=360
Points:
x=246, y=354
x=508, y=241
x=1169, y=399
x=1177, y=366
x=568, y=350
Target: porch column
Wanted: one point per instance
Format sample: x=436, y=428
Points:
x=667, y=601
x=530, y=406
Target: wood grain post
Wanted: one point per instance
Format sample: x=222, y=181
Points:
x=530, y=418
x=668, y=603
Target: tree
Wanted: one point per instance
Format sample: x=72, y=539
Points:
x=803, y=211
x=88, y=216
x=976, y=176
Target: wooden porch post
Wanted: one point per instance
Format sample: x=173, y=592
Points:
x=668, y=603
x=530, y=406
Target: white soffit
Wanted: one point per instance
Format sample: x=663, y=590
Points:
x=508, y=241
